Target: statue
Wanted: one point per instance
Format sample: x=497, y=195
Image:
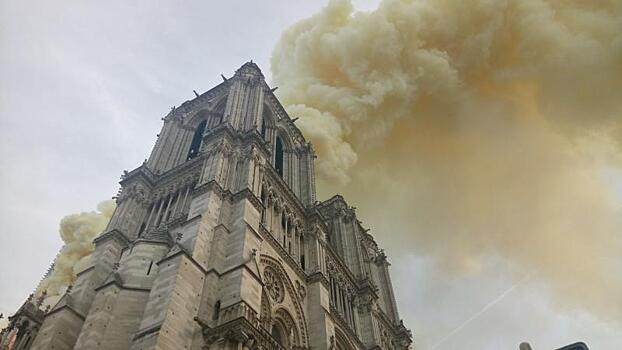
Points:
x=42, y=297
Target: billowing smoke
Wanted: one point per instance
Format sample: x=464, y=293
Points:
x=472, y=129
x=78, y=232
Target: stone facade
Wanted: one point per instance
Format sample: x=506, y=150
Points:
x=218, y=242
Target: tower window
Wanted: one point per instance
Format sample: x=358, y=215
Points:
x=196, y=140
x=278, y=158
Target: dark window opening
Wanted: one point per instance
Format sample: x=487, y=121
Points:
x=149, y=269
x=277, y=334
x=216, y=311
x=263, y=129
x=278, y=158
x=302, y=261
x=195, y=145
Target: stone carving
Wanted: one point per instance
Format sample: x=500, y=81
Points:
x=297, y=307
x=274, y=285
x=302, y=292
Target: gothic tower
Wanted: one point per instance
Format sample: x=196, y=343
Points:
x=218, y=242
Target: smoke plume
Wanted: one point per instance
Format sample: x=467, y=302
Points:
x=78, y=232
x=471, y=129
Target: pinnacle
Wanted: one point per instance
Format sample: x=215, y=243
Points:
x=249, y=68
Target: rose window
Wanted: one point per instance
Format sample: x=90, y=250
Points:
x=274, y=285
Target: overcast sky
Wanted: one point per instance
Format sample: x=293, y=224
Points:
x=82, y=91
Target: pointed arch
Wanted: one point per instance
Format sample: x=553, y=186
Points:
x=283, y=155
x=267, y=122
x=278, y=156
x=197, y=139
x=213, y=112
x=218, y=113
x=201, y=122
x=286, y=139
x=285, y=319
x=279, y=334
x=299, y=316
x=342, y=342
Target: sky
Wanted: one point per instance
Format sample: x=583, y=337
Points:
x=84, y=87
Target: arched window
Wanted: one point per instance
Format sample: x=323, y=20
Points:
x=196, y=140
x=277, y=334
x=278, y=156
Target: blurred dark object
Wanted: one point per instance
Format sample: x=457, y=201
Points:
x=575, y=346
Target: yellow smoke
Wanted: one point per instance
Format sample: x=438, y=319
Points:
x=479, y=128
x=78, y=232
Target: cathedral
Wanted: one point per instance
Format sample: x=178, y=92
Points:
x=218, y=242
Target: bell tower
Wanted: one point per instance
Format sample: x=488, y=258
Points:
x=218, y=242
